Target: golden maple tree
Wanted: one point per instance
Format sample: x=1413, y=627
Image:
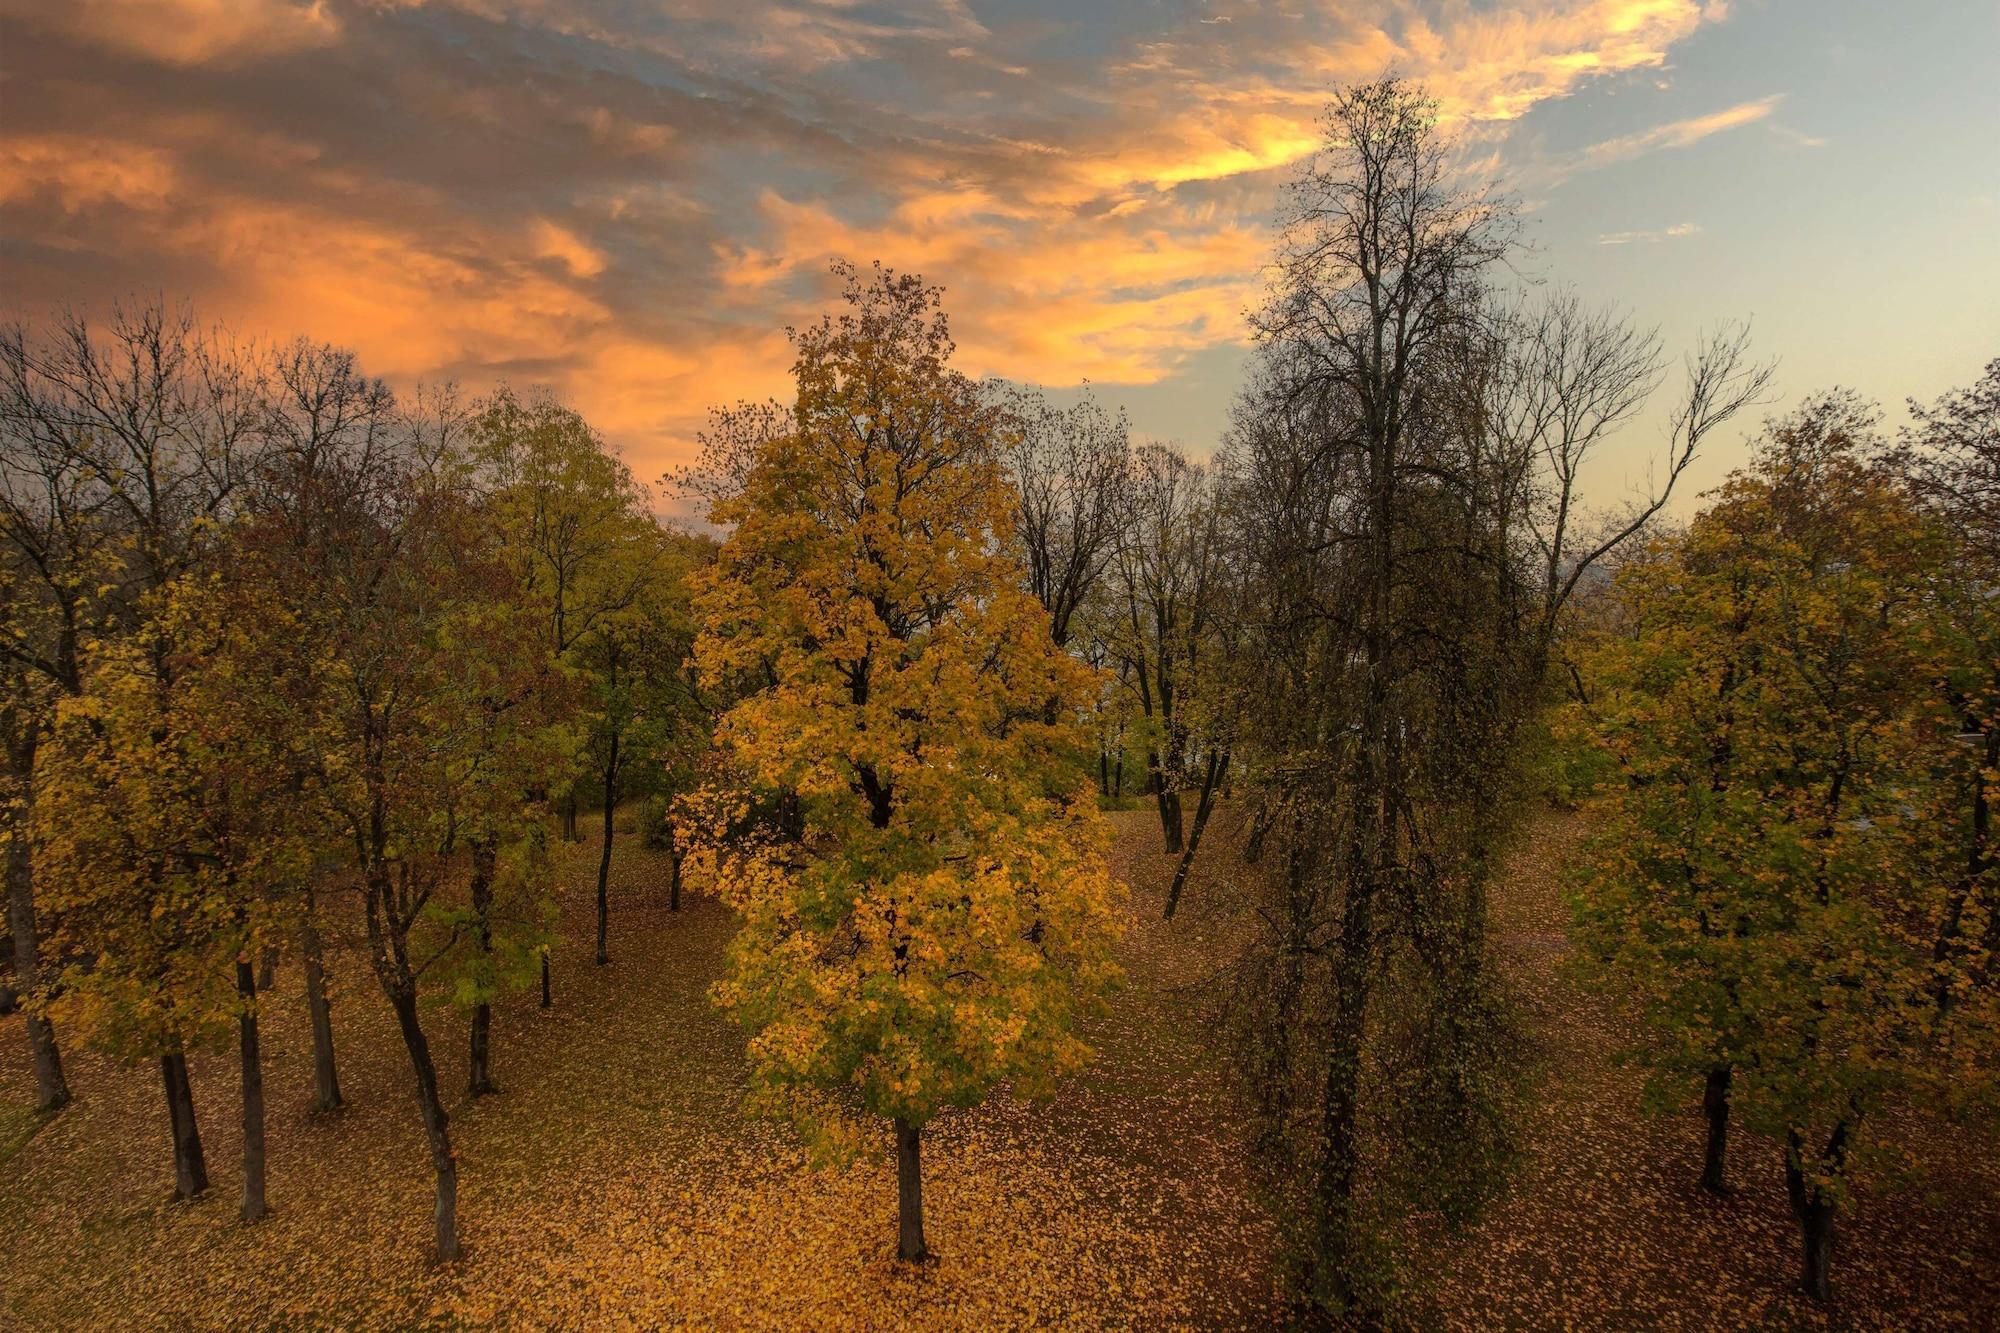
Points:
x=907, y=827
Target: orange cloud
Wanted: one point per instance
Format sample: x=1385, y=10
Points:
x=629, y=203
x=82, y=173
x=187, y=32
x=564, y=246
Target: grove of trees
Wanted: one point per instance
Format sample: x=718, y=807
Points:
x=298, y=667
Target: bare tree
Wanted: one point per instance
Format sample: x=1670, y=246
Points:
x=1166, y=558
x=1375, y=502
x=1567, y=379
x=333, y=431
x=1069, y=467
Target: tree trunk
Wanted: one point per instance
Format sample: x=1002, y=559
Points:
x=1814, y=1210
x=569, y=818
x=1715, y=1103
x=479, y=1076
x=1218, y=764
x=326, y=1078
x=1260, y=828
x=190, y=1168
x=604, y=855
x=253, y=1095
x=910, y=1247
x=1816, y=1226
x=546, y=1000
x=437, y=1126
x=1170, y=811
x=51, y=1090
x=1331, y=1281
x=1330, y=1278
x=479, y=1064
x=267, y=968
x=674, y=879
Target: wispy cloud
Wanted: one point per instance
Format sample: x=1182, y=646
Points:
x=1679, y=133
x=1679, y=229
x=1797, y=138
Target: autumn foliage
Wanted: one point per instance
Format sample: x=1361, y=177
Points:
x=924, y=898
x=307, y=685
x=1779, y=885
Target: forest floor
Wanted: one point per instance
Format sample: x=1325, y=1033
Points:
x=613, y=1182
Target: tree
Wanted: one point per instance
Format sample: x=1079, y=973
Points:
x=502, y=739
x=1069, y=468
x=1166, y=569
x=1564, y=378
x=935, y=912
x=582, y=547
x=120, y=445
x=1766, y=887
x=650, y=707
x=330, y=427
x=1213, y=705
x=1373, y=513
x=184, y=777
x=433, y=690
x=1951, y=457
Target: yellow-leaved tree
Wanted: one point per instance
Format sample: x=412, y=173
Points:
x=912, y=843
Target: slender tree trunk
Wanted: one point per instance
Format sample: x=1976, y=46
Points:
x=604, y=855
x=1814, y=1211
x=1715, y=1103
x=1118, y=775
x=1169, y=802
x=1218, y=764
x=1331, y=1281
x=51, y=1089
x=1816, y=1228
x=569, y=818
x=1168, y=769
x=190, y=1167
x=910, y=1247
x=437, y=1126
x=1260, y=828
x=546, y=998
x=479, y=1075
x=1104, y=770
x=791, y=816
x=253, y=1095
x=479, y=1064
x=267, y=968
x=326, y=1078
x=673, y=875
x=1368, y=850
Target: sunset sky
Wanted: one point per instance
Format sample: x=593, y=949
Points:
x=627, y=200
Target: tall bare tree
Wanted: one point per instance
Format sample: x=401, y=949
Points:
x=1376, y=509
x=1166, y=560
x=1564, y=379
x=1069, y=467
x=334, y=431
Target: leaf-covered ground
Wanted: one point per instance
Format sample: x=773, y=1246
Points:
x=1605, y=1227
x=612, y=1183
